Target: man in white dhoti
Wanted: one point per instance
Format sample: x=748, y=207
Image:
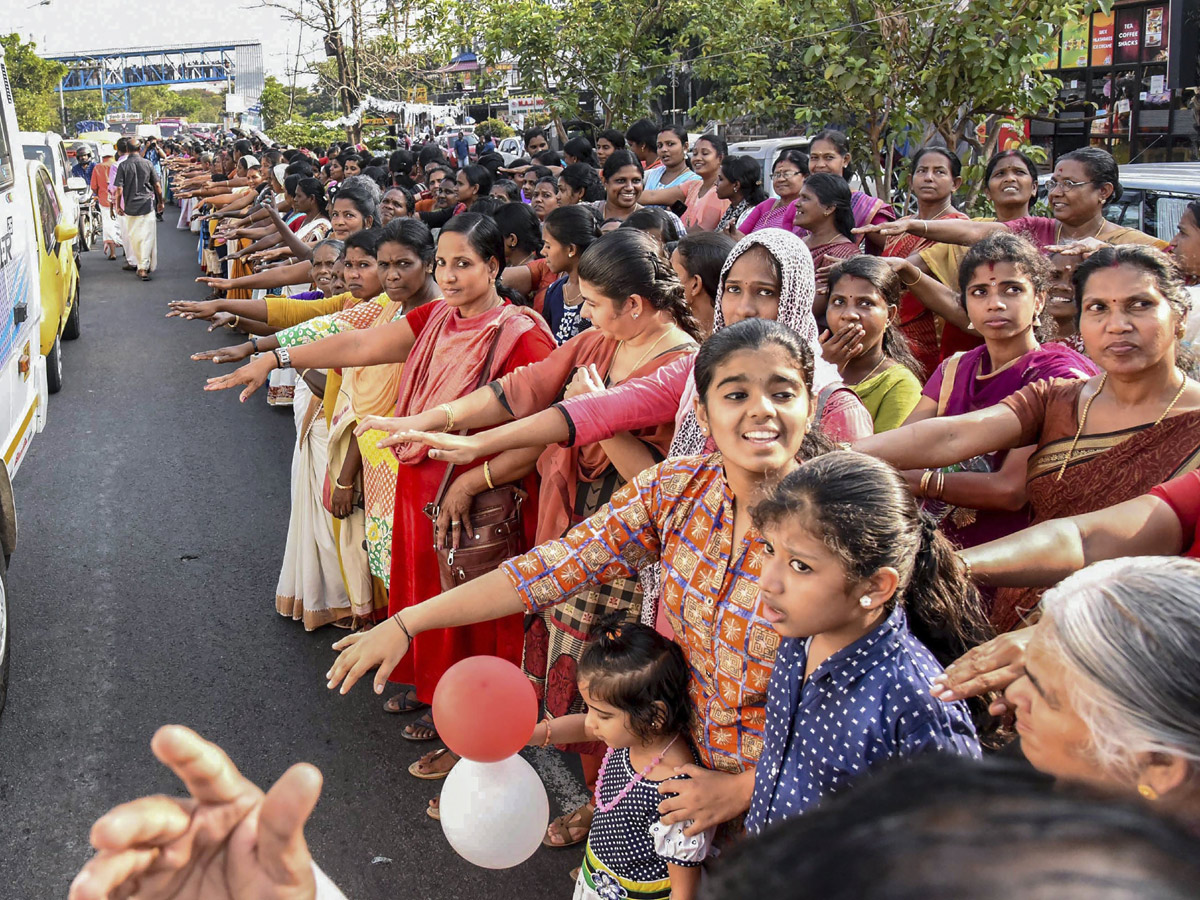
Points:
x=138, y=198
x=99, y=183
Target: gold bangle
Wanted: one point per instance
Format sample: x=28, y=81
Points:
x=487, y=475
x=939, y=485
x=342, y=487
x=909, y=283
x=445, y=407
x=234, y=323
x=968, y=573
x=924, y=228
x=924, y=488
x=546, y=722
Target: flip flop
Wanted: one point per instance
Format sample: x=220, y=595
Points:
x=407, y=703
x=426, y=722
x=434, y=812
x=415, y=769
x=568, y=822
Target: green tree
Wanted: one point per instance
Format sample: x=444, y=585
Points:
x=614, y=48
x=887, y=72
x=274, y=103
x=33, y=80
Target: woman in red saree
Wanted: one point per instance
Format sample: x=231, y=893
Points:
x=936, y=175
x=1099, y=441
x=444, y=345
x=641, y=322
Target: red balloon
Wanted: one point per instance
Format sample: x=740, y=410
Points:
x=484, y=708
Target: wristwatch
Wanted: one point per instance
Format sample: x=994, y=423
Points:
x=285, y=358
x=254, y=342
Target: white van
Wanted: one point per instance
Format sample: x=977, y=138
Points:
x=23, y=390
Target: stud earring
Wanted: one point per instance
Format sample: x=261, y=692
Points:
x=1148, y=792
x=864, y=601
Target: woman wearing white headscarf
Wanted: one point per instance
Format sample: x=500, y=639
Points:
x=783, y=290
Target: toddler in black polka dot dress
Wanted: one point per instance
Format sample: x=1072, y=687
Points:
x=634, y=682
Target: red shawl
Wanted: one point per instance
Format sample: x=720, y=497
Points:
x=449, y=352
x=531, y=389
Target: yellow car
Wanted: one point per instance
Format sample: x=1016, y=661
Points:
x=58, y=274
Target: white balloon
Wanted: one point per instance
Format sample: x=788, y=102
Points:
x=494, y=814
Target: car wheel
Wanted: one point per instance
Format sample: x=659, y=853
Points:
x=3, y=631
x=54, y=371
x=73, y=327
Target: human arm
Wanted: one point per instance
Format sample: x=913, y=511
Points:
x=158, y=191
x=291, y=240
x=616, y=542
x=478, y=409
x=934, y=296
x=294, y=273
x=519, y=278
x=388, y=343
x=685, y=881
x=570, y=729
x=506, y=468
x=342, y=498
x=667, y=196
x=706, y=797
x=938, y=442
x=227, y=841
x=1004, y=489
x=1048, y=552
x=206, y=309
x=945, y=231
x=628, y=454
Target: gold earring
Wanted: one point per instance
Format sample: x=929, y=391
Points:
x=1148, y=792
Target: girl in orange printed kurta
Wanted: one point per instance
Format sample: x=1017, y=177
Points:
x=693, y=515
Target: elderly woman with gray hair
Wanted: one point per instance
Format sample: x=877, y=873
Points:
x=1105, y=686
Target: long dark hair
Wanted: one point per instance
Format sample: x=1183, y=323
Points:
x=886, y=280
x=362, y=192
x=519, y=220
x=703, y=253
x=635, y=669
x=582, y=177
x=575, y=226
x=1006, y=247
x=314, y=189
x=867, y=517
x=479, y=177
x=833, y=191
x=951, y=158
x=628, y=262
x=619, y=159
x=411, y=233
x=581, y=148
x=747, y=172
x=757, y=334
x=485, y=239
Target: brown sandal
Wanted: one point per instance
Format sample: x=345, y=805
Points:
x=426, y=723
x=403, y=702
x=568, y=825
x=429, y=759
x=434, y=809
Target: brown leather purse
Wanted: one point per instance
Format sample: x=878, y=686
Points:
x=496, y=521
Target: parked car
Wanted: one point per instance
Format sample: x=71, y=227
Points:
x=23, y=389
x=47, y=148
x=511, y=148
x=1154, y=196
x=59, y=275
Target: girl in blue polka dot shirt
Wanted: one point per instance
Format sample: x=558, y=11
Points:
x=635, y=683
x=871, y=602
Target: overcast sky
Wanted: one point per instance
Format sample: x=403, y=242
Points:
x=62, y=26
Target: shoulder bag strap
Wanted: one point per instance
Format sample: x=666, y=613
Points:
x=948, y=378
x=483, y=379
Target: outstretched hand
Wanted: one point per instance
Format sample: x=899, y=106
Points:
x=236, y=353
x=458, y=449
x=226, y=841
x=253, y=375
x=382, y=647
x=192, y=309
x=888, y=229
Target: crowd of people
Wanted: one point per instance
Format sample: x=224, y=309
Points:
x=764, y=490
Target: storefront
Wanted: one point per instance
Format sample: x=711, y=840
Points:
x=1113, y=67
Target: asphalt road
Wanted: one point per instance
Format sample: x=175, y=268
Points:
x=152, y=523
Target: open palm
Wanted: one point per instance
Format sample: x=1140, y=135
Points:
x=227, y=841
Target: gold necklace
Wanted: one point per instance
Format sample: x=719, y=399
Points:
x=941, y=212
x=870, y=374
x=1058, y=238
x=1087, y=406
x=638, y=364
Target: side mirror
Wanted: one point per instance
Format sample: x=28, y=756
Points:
x=75, y=183
x=63, y=233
